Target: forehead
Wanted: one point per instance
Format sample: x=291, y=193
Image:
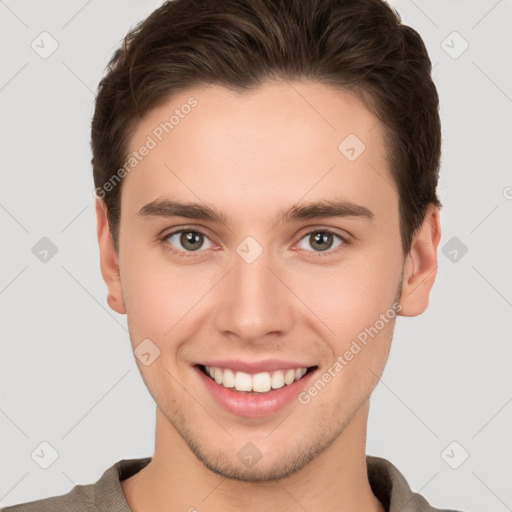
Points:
x=283, y=141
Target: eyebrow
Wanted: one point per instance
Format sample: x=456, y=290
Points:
x=166, y=208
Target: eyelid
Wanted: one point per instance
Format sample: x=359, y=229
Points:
x=318, y=228
x=181, y=229
x=345, y=238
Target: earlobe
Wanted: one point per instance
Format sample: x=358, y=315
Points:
x=420, y=267
x=109, y=261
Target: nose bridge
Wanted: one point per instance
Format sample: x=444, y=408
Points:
x=254, y=302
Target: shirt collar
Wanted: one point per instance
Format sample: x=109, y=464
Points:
x=387, y=484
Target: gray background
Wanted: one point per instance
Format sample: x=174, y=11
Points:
x=68, y=377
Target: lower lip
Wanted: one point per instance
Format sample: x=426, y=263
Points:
x=255, y=406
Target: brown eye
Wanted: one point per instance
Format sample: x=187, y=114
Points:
x=322, y=240
x=187, y=240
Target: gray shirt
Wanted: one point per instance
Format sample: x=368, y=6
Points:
x=106, y=495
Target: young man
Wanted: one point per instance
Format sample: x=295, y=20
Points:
x=266, y=178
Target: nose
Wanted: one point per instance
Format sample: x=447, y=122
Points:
x=254, y=301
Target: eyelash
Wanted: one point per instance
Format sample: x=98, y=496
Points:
x=188, y=254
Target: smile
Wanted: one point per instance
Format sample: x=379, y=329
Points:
x=258, y=383
x=254, y=394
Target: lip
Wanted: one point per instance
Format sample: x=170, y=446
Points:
x=266, y=365
x=254, y=405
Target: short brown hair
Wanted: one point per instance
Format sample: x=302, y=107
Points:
x=359, y=46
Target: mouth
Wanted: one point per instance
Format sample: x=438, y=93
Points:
x=254, y=384
x=254, y=395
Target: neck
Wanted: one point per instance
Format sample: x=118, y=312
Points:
x=176, y=480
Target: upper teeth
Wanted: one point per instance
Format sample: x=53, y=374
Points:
x=259, y=382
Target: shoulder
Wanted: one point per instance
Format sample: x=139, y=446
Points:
x=105, y=494
x=392, y=489
x=80, y=499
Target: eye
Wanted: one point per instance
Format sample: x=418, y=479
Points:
x=190, y=242
x=322, y=241
x=186, y=240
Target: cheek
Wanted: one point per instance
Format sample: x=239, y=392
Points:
x=147, y=292
x=159, y=295
x=351, y=296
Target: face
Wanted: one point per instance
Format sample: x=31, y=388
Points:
x=254, y=281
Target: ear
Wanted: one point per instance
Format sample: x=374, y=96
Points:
x=420, y=267
x=109, y=261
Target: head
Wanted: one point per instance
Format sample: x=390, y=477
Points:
x=307, y=135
